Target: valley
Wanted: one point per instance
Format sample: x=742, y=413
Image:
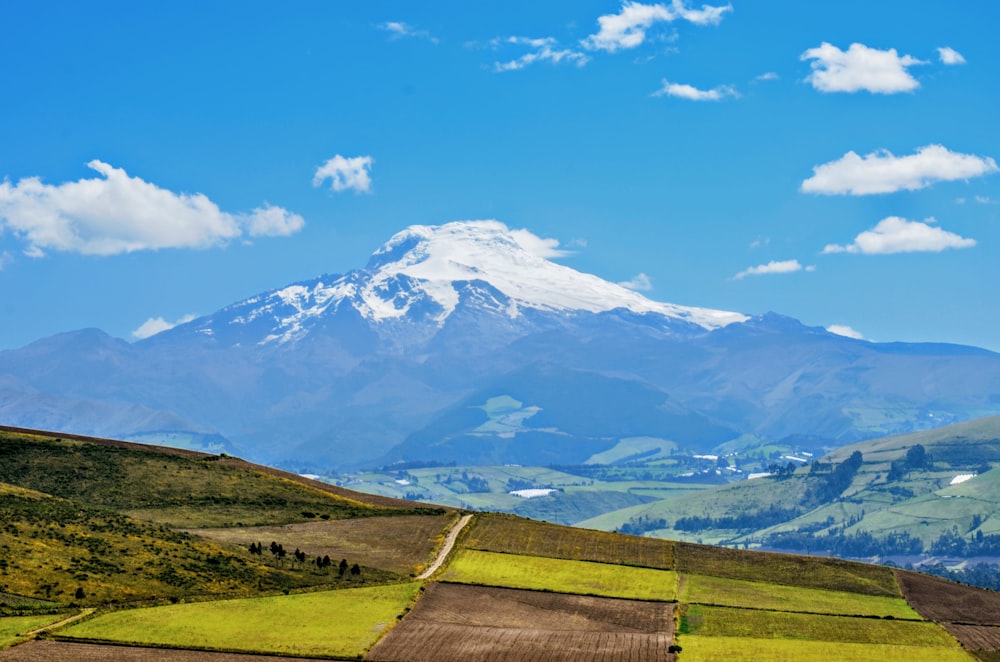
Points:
x=76, y=578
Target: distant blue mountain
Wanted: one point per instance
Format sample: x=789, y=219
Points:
x=408, y=358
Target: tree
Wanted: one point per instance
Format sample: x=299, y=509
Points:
x=342, y=568
x=916, y=457
x=355, y=570
x=79, y=595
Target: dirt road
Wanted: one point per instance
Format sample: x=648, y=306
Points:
x=449, y=542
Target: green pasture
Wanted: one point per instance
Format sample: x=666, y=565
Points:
x=560, y=576
x=341, y=623
x=757, y=595
x=711, y=649
x=648, y=447
x=760, y=624
x=12, y=626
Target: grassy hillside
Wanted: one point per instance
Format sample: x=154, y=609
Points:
x=512, y=588
x=907, y=492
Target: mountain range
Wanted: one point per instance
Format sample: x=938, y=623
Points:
x=467, y=342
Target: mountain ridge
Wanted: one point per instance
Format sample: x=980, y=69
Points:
x=342, y=370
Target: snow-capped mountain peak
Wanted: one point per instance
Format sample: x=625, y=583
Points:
x=515, y=262
x=420, y=273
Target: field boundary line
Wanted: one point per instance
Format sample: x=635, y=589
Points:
x=449, y=543
x=58, y=624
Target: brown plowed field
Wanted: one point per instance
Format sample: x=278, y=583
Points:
x=944, y=601
x=60, y=651
x=975, y=637
x=460, y=623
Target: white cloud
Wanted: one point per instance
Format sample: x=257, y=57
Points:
x=759, y=242
x=950, y=56
x=770, y=75
x=640, y=282
x=882, y=172
x=627, y=28
x=117, y=213
x=846, y=331
x=537, y=246
x=694, y=94
x=543, y=50
x=270, y=221
x=898, y=235
x=773, y=267
x=346, y=173
x=155, y=325
x=399, y=29
x=860, y=68
x=5, y=259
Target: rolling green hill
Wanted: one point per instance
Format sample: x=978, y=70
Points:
x=106, y=543
x=916, y=493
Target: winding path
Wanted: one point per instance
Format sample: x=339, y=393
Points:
x=449, y=542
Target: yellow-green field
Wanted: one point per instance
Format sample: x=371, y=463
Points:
x=758, y=595
x=12, y=626
x=560, y=576
x=341, y=623
x=711, y=649
x=761, y=624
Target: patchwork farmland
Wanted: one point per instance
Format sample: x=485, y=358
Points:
x=510, y=589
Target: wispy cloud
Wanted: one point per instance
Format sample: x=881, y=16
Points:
x=950, y=56
x=544, y=49
x=692, y=93
x=538, y=246
x=116, y=213
x=399, y=30
x=773, y=267
x=627, y=29
x=640, y=283
x=898, y=235
x=846, y=331
x=769, y=75
x=346, y=173
x=860, y=68
x=155, y=325
x=5, y=259
x=882, y=172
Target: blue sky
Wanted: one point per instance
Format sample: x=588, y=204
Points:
x=835, y=162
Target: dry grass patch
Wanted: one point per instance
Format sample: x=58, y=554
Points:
x=514, y=535
x=787, y=569
x=404, y=544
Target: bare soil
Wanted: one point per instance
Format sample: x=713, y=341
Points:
x=61, y=651
x=458, y=623
x=975, y=637
x=945, y=601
